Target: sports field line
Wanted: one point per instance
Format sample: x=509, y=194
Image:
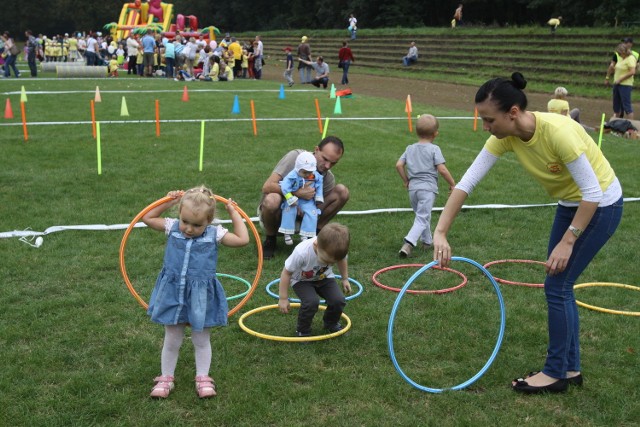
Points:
x=105, y=227
x=262, y=119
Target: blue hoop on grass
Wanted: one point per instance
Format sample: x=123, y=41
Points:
x=337, y=276
x=495, y=349
x=239, y=279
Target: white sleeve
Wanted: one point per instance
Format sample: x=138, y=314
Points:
x=481, y=165
x=168, y=223
x=586, y=179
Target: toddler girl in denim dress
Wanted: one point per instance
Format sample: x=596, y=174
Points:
x=187, y=290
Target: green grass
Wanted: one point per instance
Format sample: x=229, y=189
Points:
x=78, y=350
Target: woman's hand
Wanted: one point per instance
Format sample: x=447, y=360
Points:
x=559, y=258
x=441, y=250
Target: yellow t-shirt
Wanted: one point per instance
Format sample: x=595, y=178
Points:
x=557, y=140
x=558, y=106
x=236, y=50
x=623, y=66
x=113, y=65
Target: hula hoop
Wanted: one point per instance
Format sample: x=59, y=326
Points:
x=239, y=279
x=495, y=349
x=123, y=245
x=606, y=310
x=439, y=291
x=290, y=339
x=521, y=261
x=350, y=297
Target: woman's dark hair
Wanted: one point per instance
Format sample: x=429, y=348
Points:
x=504, y=93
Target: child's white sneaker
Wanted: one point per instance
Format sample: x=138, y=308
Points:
x=288, y=240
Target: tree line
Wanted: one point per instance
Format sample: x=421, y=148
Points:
x=59, y=16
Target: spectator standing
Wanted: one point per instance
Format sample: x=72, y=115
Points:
x=628, y=41
x=304, y=53
x=624, y=70
x=353, y=27
x=132, y=53
x=412, y=55
x=169, y=57
x=32, y=47
x=345, y=58
x=12, y=51
x=148, y=49
x=258, y=55
x=73, y=48
x=457, y=16
x=236, y=51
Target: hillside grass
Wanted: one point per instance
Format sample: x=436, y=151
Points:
x=78, y=350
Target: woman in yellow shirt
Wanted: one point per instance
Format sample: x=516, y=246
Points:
x=563, y=158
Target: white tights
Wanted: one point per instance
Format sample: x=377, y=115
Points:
x=173, y=337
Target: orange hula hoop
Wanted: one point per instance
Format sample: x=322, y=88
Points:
x=517, y=261
x=123, y=245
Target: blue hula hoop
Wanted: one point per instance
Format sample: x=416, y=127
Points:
x=239, y=279
x=495, y=349
x=337, y=276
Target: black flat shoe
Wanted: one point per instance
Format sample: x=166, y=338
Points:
x=577, y=380
x=558, y=386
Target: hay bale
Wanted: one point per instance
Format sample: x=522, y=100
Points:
x=85, y=71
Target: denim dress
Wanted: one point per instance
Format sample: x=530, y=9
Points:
x=187, y=289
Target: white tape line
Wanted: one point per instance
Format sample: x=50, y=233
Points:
x=103, y=227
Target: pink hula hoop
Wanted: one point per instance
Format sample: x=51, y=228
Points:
x=412, y=291
x=519, y=261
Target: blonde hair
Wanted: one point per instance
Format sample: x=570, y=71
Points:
x=622, y=48
x=561, y=92
x=427, y=126
x=200, y=199
x=334, y=240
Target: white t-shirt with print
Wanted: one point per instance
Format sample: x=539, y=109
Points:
x=303, y=264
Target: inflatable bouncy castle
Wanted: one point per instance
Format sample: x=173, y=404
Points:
x=158, y=14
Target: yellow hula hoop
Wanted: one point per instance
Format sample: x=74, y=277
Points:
x=290, y=339
x=123, y=245
x=606, y=310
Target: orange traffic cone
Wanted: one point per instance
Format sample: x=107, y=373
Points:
x=185, y=95
x=8, y=111
x=97, y=97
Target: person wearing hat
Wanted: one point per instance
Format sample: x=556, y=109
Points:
x=327, y=154
x=303, y=174
x=304, y=53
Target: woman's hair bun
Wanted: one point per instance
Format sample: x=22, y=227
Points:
x=518, y=80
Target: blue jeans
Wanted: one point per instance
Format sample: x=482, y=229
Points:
x=11, y=63
x=169, y=67
x=345, y=72
x=91, y=58
x=622, y=99
x=408, y=60
x=563, y=352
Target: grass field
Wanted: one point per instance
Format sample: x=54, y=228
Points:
x=78, y=350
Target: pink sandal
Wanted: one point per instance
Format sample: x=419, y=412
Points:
x=205, y=386
x=164, y=385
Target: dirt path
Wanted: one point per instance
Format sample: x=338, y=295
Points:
x=449, y=95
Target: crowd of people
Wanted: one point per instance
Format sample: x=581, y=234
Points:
x=151, y=54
